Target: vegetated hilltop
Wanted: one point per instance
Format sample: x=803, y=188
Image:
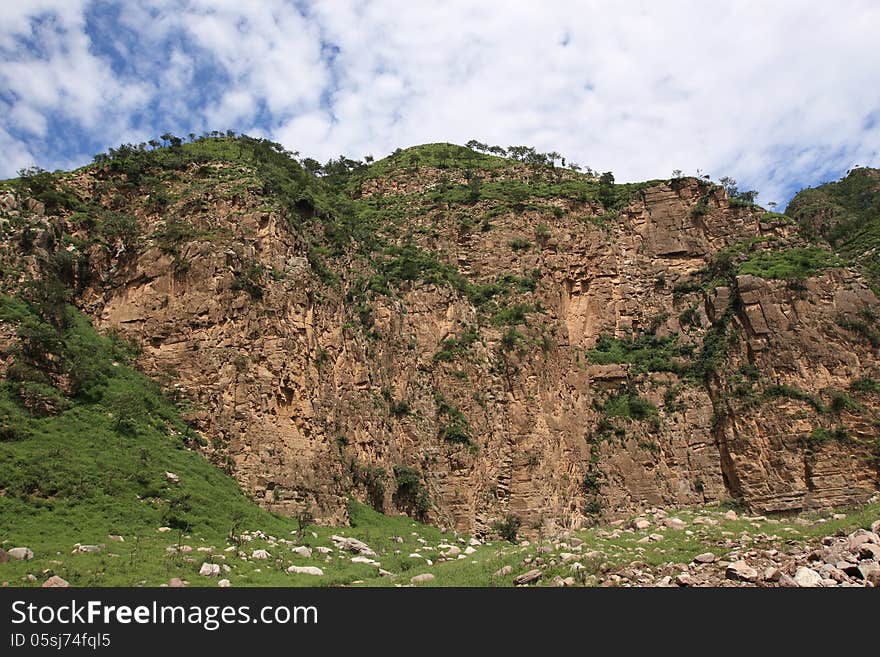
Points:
x=469, y=339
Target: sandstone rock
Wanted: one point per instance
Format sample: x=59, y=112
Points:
x=869, y=551
x=875, y=527
x=352, y=545
x=741, y=571
x=503, y=571
x=303, y=551
x=209, y=570
x=421, y=579
x=224, y=583
x=860, y=537
x=305, y=570
x=705, y=557
x=176, y=583
x=674, y=523
x=558, y=582
x=527, y=577
x=787, y=581
x=366, y=560
x=21, y=553
x=55, y=582
x=640, y=524
x=772, y=574
x=731, y=515
x=323, y=550
x=869, y=570
x=807, y=577
x=683, y=579
x=260, y=554
x=452, y=551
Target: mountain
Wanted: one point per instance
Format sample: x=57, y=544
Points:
x=465, y=338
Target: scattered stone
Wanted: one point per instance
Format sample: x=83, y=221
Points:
x=259, y=554
x=21, y=553
x=731, y=515
x=640, y=523
x=684, y=579
x=869, y=551
x=55, y=582
x=741, y=571
x=503, y=571
x=772, y=574
x=807, y=577
x=558, y=582
x=305, y=570
x=209, y=569
x=224, y=583
x=31, y=577
x=164, y=530
x=424, y=577
x=366, y=560
x=787, y=581
x=302, y=551
x=705, y=557
x=86, y=549
x=353, y=545
x=469, y=549
x=176, y=583
x=674, y=523
x=451, y=551
x=116, y=538
x=323, y=550
x=527, y=577
x=173, y=478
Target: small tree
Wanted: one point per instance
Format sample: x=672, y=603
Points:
x=509, y=527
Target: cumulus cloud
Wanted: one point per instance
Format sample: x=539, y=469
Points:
x=779, y=95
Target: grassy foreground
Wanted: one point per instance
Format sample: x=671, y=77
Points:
x=94, y=454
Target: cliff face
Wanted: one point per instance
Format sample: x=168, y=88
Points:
x=542, y=356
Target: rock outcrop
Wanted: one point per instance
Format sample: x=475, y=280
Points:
x=307, y=392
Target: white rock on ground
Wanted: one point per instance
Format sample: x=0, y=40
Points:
x=424, y=577
x=21, y=553
x=305, y=570
x=209, y=570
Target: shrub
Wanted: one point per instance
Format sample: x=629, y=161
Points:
x=508, y=528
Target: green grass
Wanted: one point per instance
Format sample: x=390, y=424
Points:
x=795, y=263
x=644, y=352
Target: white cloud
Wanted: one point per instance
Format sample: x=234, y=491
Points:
x=771, y=93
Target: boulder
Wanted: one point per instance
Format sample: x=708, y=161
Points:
x=741, y=571
x=305, y=570
x=528, y=577
x=55, y=582
x=673, y=523
x=209, y=570
x=705, y=557
x=21, y=553
x=352, y=545
x=807, y=577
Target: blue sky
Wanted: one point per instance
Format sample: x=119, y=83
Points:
x=778, y=95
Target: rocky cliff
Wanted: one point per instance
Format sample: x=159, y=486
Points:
x=465, y=338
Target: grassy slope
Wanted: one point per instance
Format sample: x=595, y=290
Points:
x=851, y=211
